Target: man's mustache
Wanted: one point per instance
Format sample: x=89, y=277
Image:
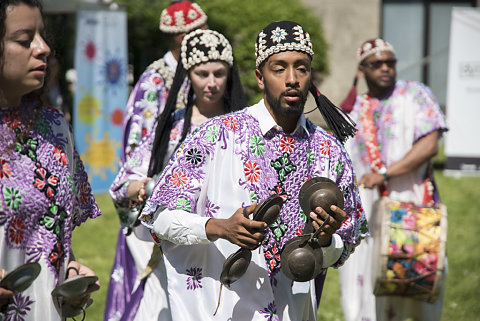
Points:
x=294, y=92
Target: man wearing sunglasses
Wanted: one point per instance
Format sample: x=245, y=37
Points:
x=399, y=123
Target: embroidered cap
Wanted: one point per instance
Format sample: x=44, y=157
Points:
x=373, y=46
x=203, y=45
x=367, y=48
x=182, y=16
x=281, y=36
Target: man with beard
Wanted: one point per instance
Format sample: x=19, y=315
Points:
x=198, y=210
x=399, y=124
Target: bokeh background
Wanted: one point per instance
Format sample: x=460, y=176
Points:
x=420, y=32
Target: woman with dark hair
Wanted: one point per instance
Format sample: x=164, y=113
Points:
x=44, y=190
x=207, y=60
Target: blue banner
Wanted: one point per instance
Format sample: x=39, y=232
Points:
x=100, y=93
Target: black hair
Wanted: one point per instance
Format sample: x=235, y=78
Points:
x=233, y=100
x=339, y=123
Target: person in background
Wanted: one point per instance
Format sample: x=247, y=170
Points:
x=196, y=211
x=147, y=101
x=215, y=90
x=44, y=188
x=405, y=120
x=150, y=93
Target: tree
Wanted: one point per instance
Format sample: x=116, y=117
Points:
x=240, y=21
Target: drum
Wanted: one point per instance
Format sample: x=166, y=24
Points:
x=409, y=249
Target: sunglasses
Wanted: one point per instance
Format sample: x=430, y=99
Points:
x=379, y=63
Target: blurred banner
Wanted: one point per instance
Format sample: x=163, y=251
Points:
x=462, y=145
x=100, y=92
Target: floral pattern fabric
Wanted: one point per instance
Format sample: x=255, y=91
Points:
x=136, y=167
x=147, y=101
x=44, y=195
x=254, y=165
x=407, y=114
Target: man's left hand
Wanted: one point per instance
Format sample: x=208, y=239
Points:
x=334, y=222
x=371, y=180
x=82, y=299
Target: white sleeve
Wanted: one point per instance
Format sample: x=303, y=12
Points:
x=332, y=253
x=180, y=227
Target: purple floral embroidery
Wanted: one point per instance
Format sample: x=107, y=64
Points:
x=291, y=155
x=211, y=209
x=193, y=281
x=52, y=116
x=270, y=312
x=19, y=308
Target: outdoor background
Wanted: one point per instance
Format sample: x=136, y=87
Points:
x=94, y=245
x=337, y=28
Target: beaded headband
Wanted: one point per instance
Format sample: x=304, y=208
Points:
x=203, y=45
x=281, y=36
x=181, y=17
x=373, y=46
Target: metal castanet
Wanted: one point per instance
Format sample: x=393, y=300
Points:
x=320, y=192
x=21, y=278
x=237, y=264
x=301, y=256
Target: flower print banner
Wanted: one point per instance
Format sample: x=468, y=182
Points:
x=101, y=92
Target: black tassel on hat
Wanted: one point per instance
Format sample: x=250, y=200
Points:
x=194, y=52
x=290, y=36
x=341, y=125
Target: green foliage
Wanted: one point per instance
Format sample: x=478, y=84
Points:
x=145, y=41
x=94, y=244
x=239, y=21
x=462, y=198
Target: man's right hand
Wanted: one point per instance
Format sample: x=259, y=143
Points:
x=237, y=229
x=136, y=190
x=5, y=295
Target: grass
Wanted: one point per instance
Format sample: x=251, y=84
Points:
x=94, y=245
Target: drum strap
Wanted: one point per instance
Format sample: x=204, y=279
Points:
x=371, y=144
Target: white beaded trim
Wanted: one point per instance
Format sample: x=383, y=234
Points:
x=380, y=45
x=167, y=74
x=292, y=46
x=209, y=39
x=304, y=44
x=180, y=27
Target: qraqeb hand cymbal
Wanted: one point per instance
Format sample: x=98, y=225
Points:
x=237, y=264
x=21, y=278
x=302, y=258
x=320, y=192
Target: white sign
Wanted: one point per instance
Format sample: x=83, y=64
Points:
x=462, y=145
